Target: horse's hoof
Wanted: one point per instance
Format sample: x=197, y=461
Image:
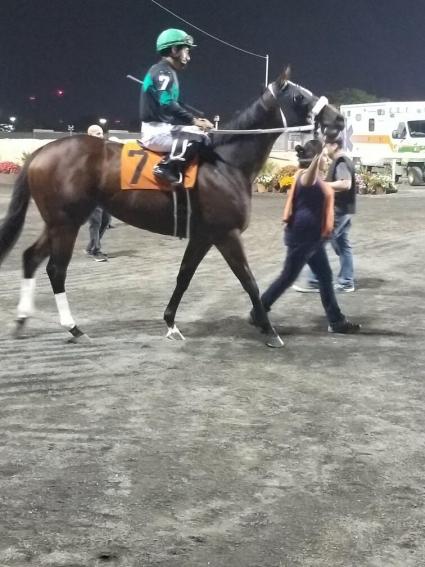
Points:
x=174, y=334
x=19, y=332
x=80, y=340
x=78, y=337
x=274, y=341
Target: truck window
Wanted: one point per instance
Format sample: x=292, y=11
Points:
x=416, y=128
x=371, y=124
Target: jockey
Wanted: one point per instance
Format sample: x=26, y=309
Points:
x=167, y=124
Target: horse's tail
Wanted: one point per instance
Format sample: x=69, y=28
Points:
x=12, y=224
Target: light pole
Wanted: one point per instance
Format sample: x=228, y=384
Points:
x=216, y=120
x=102, y=122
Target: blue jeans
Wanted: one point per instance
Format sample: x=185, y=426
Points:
x=342, y=246
x=299, y=254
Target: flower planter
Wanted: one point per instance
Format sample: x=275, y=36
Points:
x=8, y=178
x=379, y=190
x=261, y=188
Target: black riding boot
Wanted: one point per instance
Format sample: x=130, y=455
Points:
x=172, y=167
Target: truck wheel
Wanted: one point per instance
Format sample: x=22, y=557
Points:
x=415, y=175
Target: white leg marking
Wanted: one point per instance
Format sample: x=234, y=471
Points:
x=26, y=301
x=66, y=319
x=174, y=333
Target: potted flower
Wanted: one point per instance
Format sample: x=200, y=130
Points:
x=9, y=172
x=285, y=177
x=374, y=184
x=265, y=180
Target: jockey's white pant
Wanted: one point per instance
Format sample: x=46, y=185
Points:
x=160, y=136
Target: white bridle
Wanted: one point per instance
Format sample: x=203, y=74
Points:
x=317, y=108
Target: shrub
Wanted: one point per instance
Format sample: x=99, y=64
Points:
x=25, y=156
x=374, y=184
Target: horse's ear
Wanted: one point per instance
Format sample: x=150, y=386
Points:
x=284, y=76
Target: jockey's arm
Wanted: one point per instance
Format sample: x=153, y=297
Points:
x=180, y=114
x=168, y=99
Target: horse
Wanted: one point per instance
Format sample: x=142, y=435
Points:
x=69, y=177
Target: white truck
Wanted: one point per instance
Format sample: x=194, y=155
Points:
x=392, y=134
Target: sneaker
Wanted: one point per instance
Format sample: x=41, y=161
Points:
x=99, y=257
x=344, y=288
x=344, y=327
x=308, y=288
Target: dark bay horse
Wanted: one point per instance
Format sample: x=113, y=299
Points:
x=67, y=178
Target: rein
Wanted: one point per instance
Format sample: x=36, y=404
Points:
x=317, y=108
x=264, y=130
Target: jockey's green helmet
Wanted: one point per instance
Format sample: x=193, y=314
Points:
x=171, y=37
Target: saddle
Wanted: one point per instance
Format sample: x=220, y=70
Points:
x=137, y=163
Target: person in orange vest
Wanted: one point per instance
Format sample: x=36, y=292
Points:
x=341, y=178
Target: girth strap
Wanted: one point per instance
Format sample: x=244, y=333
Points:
x=178, y=212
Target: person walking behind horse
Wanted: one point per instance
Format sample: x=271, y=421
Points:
x=99, y=220
x=167, y=124
x=309, y=219
x=341, y=178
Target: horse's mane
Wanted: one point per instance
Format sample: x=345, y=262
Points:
x=241, y=120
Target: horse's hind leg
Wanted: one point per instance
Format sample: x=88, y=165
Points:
x=32, y=258
x=62, y=240
x=194, y=254
x=231, y=249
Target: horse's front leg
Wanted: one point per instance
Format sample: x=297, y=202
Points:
x=232, y=250
x=196, y=250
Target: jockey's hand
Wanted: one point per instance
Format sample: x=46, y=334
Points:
x=203, y=123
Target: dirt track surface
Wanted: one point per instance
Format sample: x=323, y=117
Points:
x=137, y=451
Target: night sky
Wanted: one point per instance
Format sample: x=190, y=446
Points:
x=87, y=47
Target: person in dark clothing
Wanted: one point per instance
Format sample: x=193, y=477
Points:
x=309, y=218
x=99, y=219
x=341, y=178
x=98, y=222
x=168, y=125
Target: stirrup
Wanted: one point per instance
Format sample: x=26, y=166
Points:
x=168, y=176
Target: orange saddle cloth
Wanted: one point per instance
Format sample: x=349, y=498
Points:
x=137, y=165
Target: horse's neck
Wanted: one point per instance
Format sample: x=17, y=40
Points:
x=248, y=152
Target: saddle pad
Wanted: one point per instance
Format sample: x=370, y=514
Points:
x=137, y=164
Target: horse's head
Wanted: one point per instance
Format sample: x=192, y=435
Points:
x=300, y=107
